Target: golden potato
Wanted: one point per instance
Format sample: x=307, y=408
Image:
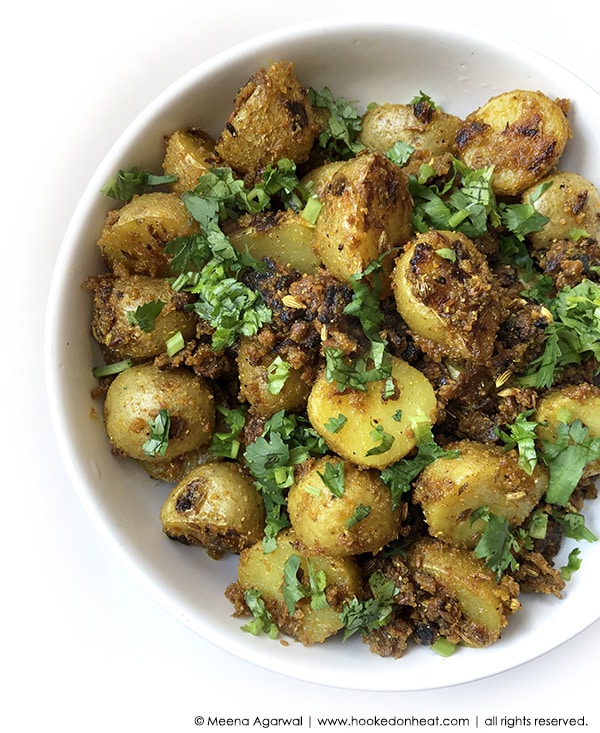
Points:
x=189, y=154
x=259, y=390
x=134, y=402
x=329, y=524
x=570, y=202
x=521, y=133
x=421, y=126
x=366, y=211
x=484, y=603
x=133, y=237
x=215, y=505
x=265, y=572
x=285, y=236
x=271, y=119
x=445, y=292
x=449, y=490
x=117, y=300
x=370, y=417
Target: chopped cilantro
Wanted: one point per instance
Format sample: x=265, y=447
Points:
x=447, y=253
x=277, y=374
x=361, y=511
x=521, y=435
x=373, y=613
x=227, y=443
x=158, y=438
x=127, y=184
x=574, y=526
x=262, y=621
x=422, y=98
x=400, y=153
x=294, y=590
x=573, y=564
x=145, y=315
x=335, y=424
x=497, y=543
x=339, y=138
x=333, y=478
x=384, y=441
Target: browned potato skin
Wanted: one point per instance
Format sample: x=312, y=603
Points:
x=464, y=578
x=450, y=307
x=189, y=154
x=421, y=126
x=138, y=394
x=133, y=238
x=319, y=519
x=570, y=202
x=366, y=212
x=449, y=490
x=521, y=133
x=215, y=505
x=116, y=297
x=271, y=119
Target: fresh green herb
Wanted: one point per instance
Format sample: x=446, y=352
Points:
x=340, y=138
x=384, y=441
x=262, y=621
x=333, y=478
x=158, y=438
x=400, y=153
x=374, y=613
x=443, y=647
x=538, y=525
x=335, y=424
x=227, y=443
x=497, y=543
x=145, y=315
x=108, y=370
x=361, y=511
x=277, y=374
x=354, y=374
x=294, y=590
x=421, y=98
x=175, y=343
x=127, y=184
x=447, y=253
x=574, y=526
x=576, y=234
x=522, y=435
x=573, y=564
x=402, y=473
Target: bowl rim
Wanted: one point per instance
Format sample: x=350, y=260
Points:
x=56, y=303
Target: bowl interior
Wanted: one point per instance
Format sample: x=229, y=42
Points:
x=370, y=59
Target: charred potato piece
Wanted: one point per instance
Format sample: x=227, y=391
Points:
x=136, y=397
x=265, y=572
x=449, y=490
x=189, y=154
x=570, y=202
x=366, y=211
x=421, y=126
x=445, y=292
x=484, y=604
x=285, y=236
x=330, y=524
x=271, y=119
x=217, y=506
x=116, y=300
x=521, y=133
x=370, y=415
x=133, y=237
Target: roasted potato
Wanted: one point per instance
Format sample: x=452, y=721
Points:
x=114, y=323
x=271, y=119
x=370, y=416
x=444, y=290
x=189, y=154
x=136, y=397
x=329, y=524
x=366, y=212
x=464, y=581
x=570, y=202
x=133, y=238
x=521, y=133
x=215, y=505
x=265, y=572
x=449, y=490
x=421, y=126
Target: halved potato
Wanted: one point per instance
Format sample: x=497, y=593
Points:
x=189, y=154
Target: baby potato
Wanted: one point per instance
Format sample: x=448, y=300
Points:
x=370, y=416
x=215, y=505
x=570, y=202
x=421, y=126
x=117, y=299
x=136, y=397
x=256, y=388
x=521, y=133
x=133, y=237
x=567, y=404
x=449, y=490
x=271, y=119
x=325, y=522
x=366, y=211
x=265, y=572
x=285, y=236
x=445, y=292
x=189, y=154
x=484, y=603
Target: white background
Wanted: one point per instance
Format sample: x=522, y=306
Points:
x=83, y=647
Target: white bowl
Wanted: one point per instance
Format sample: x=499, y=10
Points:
x=369, y=59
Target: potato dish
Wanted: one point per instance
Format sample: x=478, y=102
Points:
x=362, y=348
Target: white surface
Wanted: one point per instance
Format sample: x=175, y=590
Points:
x=84, y=648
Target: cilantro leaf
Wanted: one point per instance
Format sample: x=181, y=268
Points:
x=384, y=441
x=365, y=616
x=277, y=374
x=158, y=438
x=573, y=564
x=293, y=590
x=333, y=478
x=227, y=443
x=522, y=435
x=340, y=137
x=361, y=511
x=145, y=315
x=127, y=184
x=262, y=621
x=497, y=543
